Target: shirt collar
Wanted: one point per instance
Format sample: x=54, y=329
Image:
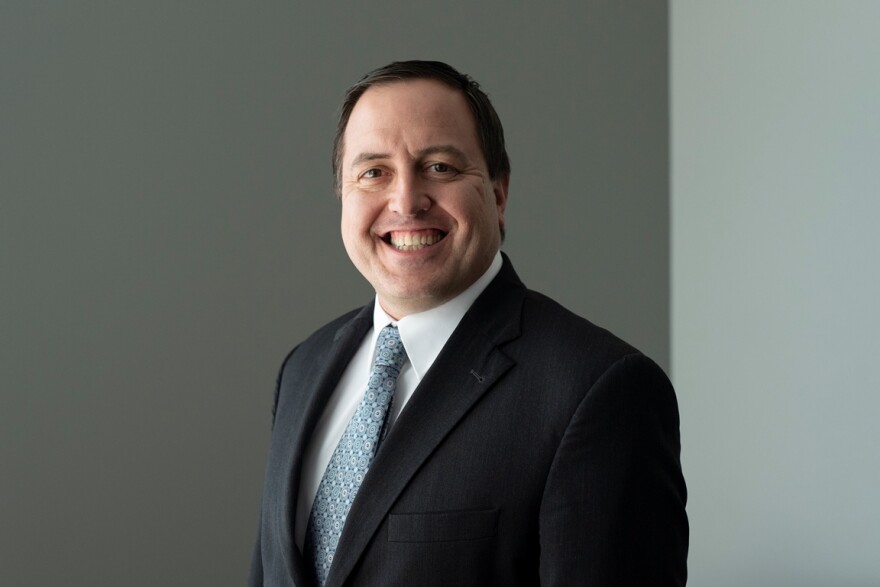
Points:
x=425, y=334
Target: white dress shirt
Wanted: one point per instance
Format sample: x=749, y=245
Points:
x=424, y=336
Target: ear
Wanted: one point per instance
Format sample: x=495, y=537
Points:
x=499, y=189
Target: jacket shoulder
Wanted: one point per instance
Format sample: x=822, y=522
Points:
x=568, y=333
x=323, y=337
x=311, y=352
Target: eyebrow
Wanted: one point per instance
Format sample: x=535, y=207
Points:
x=364, y=157
x=444, y=149
x=431, y=150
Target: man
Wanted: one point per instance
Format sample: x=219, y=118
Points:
x=501, y=440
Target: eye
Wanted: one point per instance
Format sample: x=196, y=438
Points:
x=441, y=169
x=373, y=173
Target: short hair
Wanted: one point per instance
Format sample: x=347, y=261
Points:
x=489, y=129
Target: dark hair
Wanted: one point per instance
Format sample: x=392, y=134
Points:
x=489, y=130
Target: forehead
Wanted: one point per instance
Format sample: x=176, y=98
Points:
x=411, y=114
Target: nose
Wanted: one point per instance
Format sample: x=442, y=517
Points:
x=408, y=195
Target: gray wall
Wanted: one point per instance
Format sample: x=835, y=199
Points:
x=169, y=232
x=776, y=282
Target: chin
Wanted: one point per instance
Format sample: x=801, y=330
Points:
x=410, y=301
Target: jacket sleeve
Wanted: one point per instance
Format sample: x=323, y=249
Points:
x=613, y=509
x=255, y=574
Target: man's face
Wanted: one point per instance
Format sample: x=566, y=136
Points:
x=420, y=216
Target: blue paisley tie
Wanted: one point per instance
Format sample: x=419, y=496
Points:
x=353, y=455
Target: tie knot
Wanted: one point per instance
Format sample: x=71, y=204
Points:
x=389, y=348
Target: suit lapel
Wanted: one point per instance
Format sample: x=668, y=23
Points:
x=296, y=431
x=470, y=364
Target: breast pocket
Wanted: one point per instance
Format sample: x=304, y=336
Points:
x=443, y=526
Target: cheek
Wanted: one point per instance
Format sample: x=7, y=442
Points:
x=474, y=208
x=356, y=224
x=489, y=213
x=353, y=217
x=349, y=229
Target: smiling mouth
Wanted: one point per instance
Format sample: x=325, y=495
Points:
x=413, y=240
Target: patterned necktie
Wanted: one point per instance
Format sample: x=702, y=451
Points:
x=353, y=455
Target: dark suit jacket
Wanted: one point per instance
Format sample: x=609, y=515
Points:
x=538, y=450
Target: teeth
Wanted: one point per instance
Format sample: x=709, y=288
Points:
x=414, y=240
